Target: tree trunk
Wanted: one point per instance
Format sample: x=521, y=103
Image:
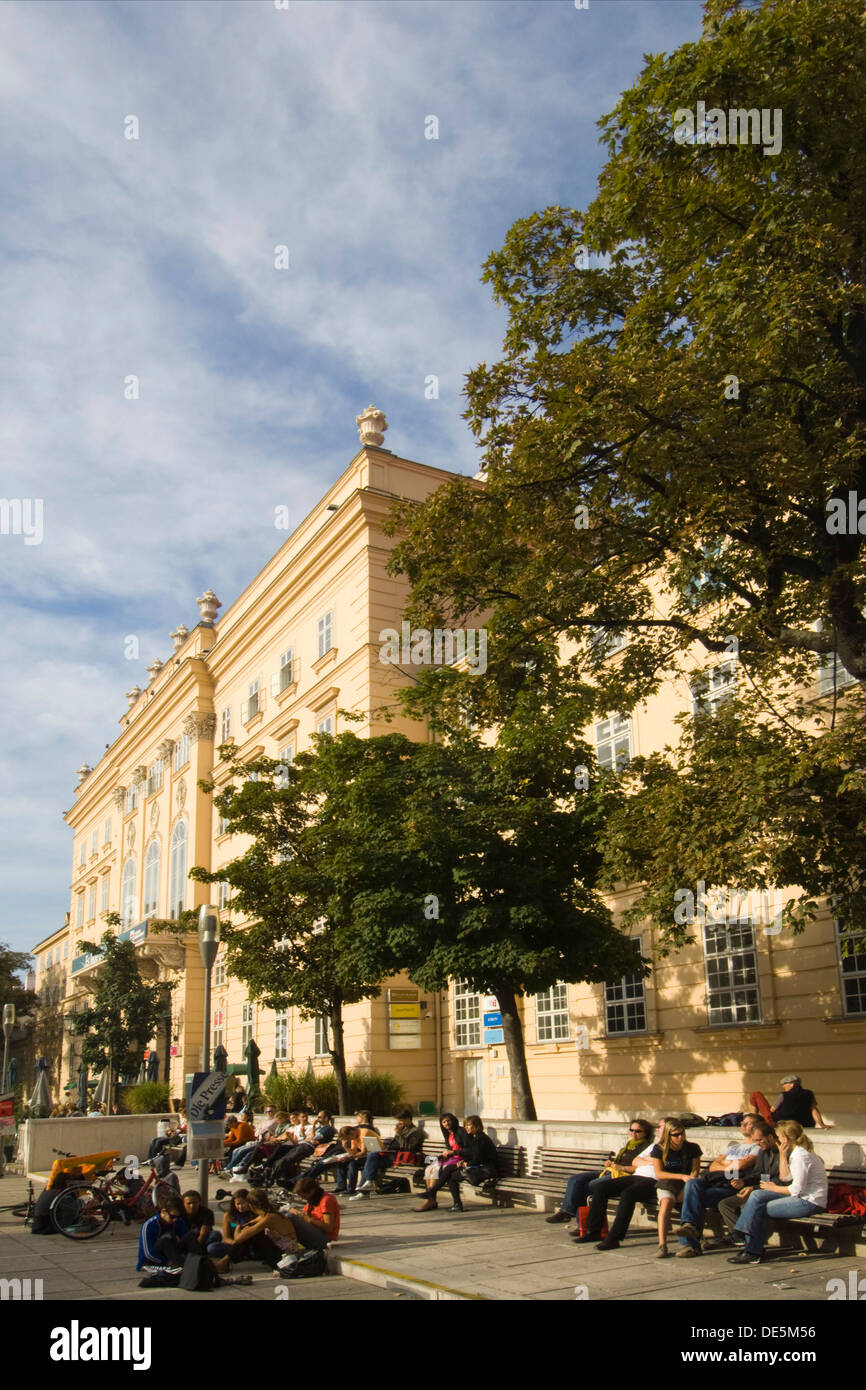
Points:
x=338, y=1058
x=512, y=1031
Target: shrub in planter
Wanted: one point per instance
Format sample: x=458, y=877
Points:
x=148, y=1098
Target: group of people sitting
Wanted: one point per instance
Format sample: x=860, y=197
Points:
x=770, y=1172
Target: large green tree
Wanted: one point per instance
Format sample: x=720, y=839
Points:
x=124, y=1014
x=681, y=398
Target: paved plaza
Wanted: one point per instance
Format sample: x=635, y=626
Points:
x=388, y=1251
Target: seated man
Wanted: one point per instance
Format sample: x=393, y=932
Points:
x=766, y=1165
x=717, y=1183
x=200, y=1222
x=261, y=1149
x=161, y=1240
x=407, y=1138
x=240, y=1133
x=264, y=1131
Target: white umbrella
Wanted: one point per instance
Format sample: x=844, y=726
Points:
x=103, y=1090
x=40, y=1102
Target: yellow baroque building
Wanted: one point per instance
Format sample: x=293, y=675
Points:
x=729, y=1014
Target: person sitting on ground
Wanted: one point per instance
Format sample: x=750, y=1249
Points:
x=239, y=1214
x=675, y=1160
x=794, y=1103
x=477, y=1164
x=636, y=1185
x=806, y=1193
x=161, y=1238
x=766, y=1165
x=577, y=1187
x=319, y=1221
x=199, y=1220
x=240, y=1133
x=264, y=1131
x=407, y=1139
x=717, y=1183
x=268, y=1237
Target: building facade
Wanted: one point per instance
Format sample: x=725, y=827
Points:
x=727, y=1014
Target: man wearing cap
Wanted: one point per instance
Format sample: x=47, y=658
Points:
x=795, y=1103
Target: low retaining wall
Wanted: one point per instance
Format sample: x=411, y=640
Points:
x=131, y=1134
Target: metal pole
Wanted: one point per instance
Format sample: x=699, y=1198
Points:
x=205, y=1066
x=8, y=1025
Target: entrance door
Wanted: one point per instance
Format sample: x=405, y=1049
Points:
x=473, y=1086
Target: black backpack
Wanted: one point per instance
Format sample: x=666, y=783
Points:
x=198, y=1274
x=310, y=1265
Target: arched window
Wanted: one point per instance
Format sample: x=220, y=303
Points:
x=177, y=873
x=127, y=893
x=151, y=878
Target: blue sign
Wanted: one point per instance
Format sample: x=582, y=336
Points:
x=206, y=1096
x=492, y=1036
x=134, y=934
x=493, y=1020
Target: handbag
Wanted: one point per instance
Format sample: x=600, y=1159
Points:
x=583, y=1219
x=408, y=1158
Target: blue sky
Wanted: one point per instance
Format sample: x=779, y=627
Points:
x=154, y=257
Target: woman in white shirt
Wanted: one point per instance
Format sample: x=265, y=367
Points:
x=803, y=1183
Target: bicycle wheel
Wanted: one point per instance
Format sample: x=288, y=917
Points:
x=81, y=1211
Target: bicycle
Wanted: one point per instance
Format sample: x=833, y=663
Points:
x=84, y=1209
x=23, y=1209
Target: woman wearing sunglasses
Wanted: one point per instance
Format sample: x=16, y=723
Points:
x=674, y=1161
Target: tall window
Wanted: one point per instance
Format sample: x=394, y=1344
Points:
x=832, y=675
x=151, y=879
x=733, y=995
x=281, y=1037
x=106, y=834
x=467, y=1016
x=103, y=907
x=226, y=724
x=326, y=725
x=253, y=701
x=551, y=1015
x=177, y=871
x=326, y=632
x=608, y=642
x=246, y=1023
x=91, y=905
x=286, y=668
x=853, y=966
x=613, y=747
x=94, y=842
x=219, y=972
x=127, y=893
x=132, y=797
x=79, y=911
x=181, y=752
x=218, y=1028
x=711, y=687
x=625, y=1002
x=82, y=853
x=320, y=1036
x=154, y=777
x=224, y=893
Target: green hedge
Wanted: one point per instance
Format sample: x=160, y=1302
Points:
x=378, y=1091
x=148, y=1098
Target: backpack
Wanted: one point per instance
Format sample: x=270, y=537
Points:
x=310, y=1265
x=198, y=1274
x=392, y=1185
x=846, y=1200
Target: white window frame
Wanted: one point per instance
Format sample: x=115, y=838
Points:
x=152, y=865
x=106, y=836
x=287, y=669
x=131, y=803
x=326, y=725
x=253, y=702
x=852, y=969
x=223, y=893
x=181, y=752
x=127, y=892
x=325, y=632
x=106, y=880
x=218, y=1031
x=740, y=943
x=467, y=1014
x=177, y=879
x=219, y=972
x=82, y=853
x=609, y=735
x=94, y=843
x=226, y=724
x=628, y=993
x=320, y=1036
x=281, y=1037
x=247, y=1023
x=154, y=777
x=91, y=904
x=713, y=686
x=552, y=1023
x=79, y=911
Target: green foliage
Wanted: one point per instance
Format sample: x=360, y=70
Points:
x=12, y=990
x=147, y=1098
x=125, y=1013
x=368, y=1090
x=706, y=500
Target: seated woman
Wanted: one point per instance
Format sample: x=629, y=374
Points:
x=637, y=1184
x=267, y=1236
x=345, y=1149
x=577, y=1188
x=438, y=1168
x=263, y=1149
x=319, y=1222
x=238, y=1215
x=478, y=1164
x=407, y=1139
x=675, y=1161
x=806, y=1193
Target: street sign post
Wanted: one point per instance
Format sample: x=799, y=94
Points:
x=205, y=1110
